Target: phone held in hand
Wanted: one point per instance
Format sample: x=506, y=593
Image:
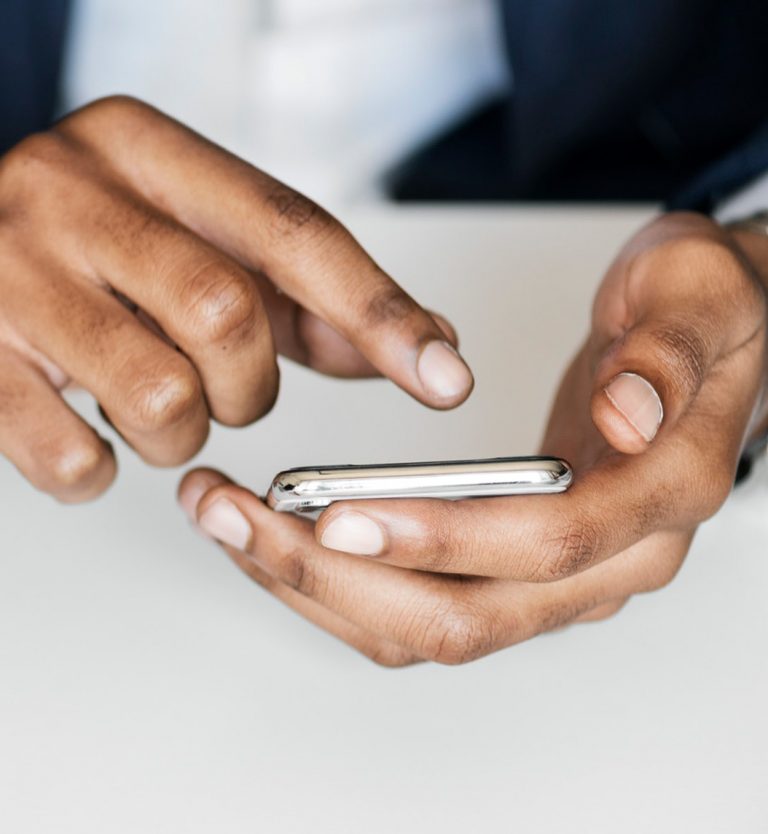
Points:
x=310, y=490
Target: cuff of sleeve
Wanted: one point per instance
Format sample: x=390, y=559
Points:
x=749, y=200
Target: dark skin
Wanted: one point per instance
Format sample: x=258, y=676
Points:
x=683, y=307
x=164, y=275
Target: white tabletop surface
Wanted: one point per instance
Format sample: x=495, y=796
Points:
x=148, y=687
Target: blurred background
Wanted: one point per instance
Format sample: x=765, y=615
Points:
x=325, y=95
x=452, y=100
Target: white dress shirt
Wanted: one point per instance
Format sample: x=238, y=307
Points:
x=325, y=95
x=747, y=201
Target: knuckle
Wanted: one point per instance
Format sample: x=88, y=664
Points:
x=388, y=305
x=118, y=108
x=660, y=562
x=144, y=225
x=458, y=634
x=560, y=614
x=572, y=549
x=681, y=352
x=35, y=160
x=438, y=534
x=662, y=573
x=75, y=465
x=260, y=576
x=98, y=125
x=298, y=572
x=292, y=213
x=650, y=511
x=162, y=400
x=660, y=568
x=436, y=557
x=121, y=102
x=223, y=303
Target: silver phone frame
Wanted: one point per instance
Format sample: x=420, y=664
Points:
x=312, y=489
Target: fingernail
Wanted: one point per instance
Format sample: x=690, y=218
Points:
x=190, y=498
x=225, y=523
x=353, y=533
x=638, y=401
x=443, y=372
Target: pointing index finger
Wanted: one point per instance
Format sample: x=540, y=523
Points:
x=271, y=228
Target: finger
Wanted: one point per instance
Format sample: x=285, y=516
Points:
x=193, y=487
x=191, y=491
x=687, y=308
x=51, y=446
x=373, y=647
x=274, y=230
x=442, y=618
x=203, y=300
x=445, y=619
x=543, y=538
x=207, y=304
x=304, y=337
x=601, y=592
x=150, y=391
x=413, y=611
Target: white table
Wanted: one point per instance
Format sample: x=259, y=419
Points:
x=148, y=687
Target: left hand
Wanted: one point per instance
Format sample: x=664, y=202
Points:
x=653, y=412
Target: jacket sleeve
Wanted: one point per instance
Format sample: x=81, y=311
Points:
x=32, y=38
x=736, y=169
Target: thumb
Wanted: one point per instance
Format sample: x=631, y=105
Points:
x=646, y=380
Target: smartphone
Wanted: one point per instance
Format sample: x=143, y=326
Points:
x=311, y=490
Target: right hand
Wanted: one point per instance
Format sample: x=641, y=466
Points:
x=163, y=274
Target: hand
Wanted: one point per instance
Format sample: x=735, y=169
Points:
x=162, y=274
x=653, y=413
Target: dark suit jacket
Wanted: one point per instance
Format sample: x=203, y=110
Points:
x=613, y=99
x=669, y=94
x=32, y=34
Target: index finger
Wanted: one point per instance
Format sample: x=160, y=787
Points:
x=269, y=227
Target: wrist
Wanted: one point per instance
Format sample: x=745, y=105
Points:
x=752, y=245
